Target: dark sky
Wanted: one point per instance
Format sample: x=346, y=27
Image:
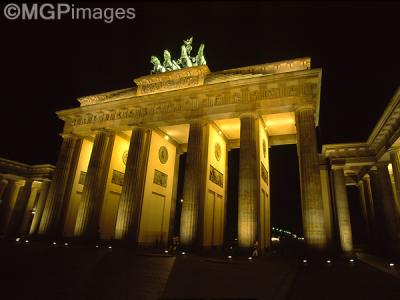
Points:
x=46, y=65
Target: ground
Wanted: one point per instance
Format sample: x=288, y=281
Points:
x=47, y=271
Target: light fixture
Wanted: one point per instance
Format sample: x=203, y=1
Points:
x=97, y=246
x=65, y=244
x=17, y=240
x=165, y=251
x=54, y=243
x=181, y=200
x=304, y=261
x=328, y=261
x=33, y=212
x=183, y=253
x=351, y=260
x=391, y=264
x=230, y=256
x=109, y=247
x=250, y=258
x=26, y=241
x=166, y=137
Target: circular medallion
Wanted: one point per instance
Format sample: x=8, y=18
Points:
x=264, y=148
x=217, y=150
x=125, y=157
x=163, y=154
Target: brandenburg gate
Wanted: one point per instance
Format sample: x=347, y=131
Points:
x=116, y=176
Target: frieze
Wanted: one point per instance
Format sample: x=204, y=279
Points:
x=242, y=96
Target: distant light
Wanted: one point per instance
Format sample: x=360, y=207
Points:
x=166, y=137
x=97, y=246
x=181, y=200
x=109, y=247
x=275, y=239
x=391, y=264
x=26, y=241
x=230, y=256
x=250, y=258
x=351, y=260
x=165, y=251
x=33, y=212
x=54, y=243
x=65, y=244
x=235, y=239
x=183, y=253
x=220, y=132
x=230, y=247
x=328, y=261
x=305, y=261
x=17, y=240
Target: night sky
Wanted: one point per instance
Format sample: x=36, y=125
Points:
x=46, y=65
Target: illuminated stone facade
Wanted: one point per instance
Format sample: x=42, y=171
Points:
x=117, y=173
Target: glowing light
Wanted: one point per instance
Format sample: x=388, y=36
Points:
x=181, y=200
x=65, y=244
x=33, y=212
x=351, y=260
x=109, y=247
x=235, y=239
x=183, y=253
x=250, y=258
x=275, y=239
x=391, y=264
x=165, y=251
x=220, y=132
x=305, y=261
x=166, y=137
x=230, y=256
x=97, y=246
x=26, y=241
x=54, y=243
x=17, y=240
x=328, y=261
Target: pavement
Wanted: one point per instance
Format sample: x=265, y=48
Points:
x=47, y=271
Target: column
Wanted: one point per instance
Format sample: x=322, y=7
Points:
x=131, y=200
x=44, y=189
x=248, y=181
x=174, y=196
x=395, y=160
x=193, y=182
x=8, y=204
x=369, y=201
x=310, y=180
x=55, y=199
x=364, y=209
x=327, y=203
x=29, y=212
x=342, y=209
x=86, y=226
x=388, y=205
x=3, y=186
x=18, y=211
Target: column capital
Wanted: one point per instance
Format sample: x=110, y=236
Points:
x=107, y=131
x=65, y=135
x=249, y=115
x=394, y=149
x=338, y=165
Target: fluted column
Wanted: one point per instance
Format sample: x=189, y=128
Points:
x=342, y=209
x=8, y=204
x=131, y=200
x=388, y=206
x=44, y=189
x=193, y=182
x=364, y=208
x=28, y=214
x=395, y=160
x=86, y=226
x=249, y=188
x=18, y=211
x=369, y=200
x=55, y=198
x=310, y=181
